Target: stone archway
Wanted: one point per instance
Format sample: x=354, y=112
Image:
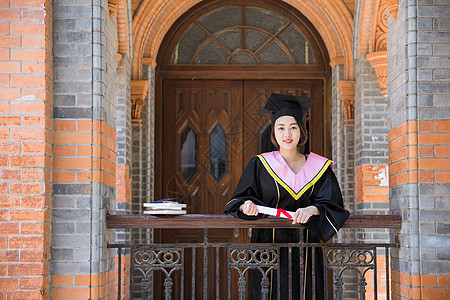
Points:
x=152, y=20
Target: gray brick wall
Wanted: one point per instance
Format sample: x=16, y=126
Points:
x=402, y=198
x=123, y=121
x=123, y=137
x=343, y=157
x=151, y=134
x=143, y=169
x=136, y=176
x=348, y=185
x=109, y=67
x=419, y=90
x=84, y=89
x=108, y=32
x=343, y=144
x=338, y=148
x=371, y=145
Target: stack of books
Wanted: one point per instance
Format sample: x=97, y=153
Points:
x=164, y=207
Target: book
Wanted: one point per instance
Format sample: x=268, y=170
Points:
x=164, y=200
x=164, y=212
x=164, y=207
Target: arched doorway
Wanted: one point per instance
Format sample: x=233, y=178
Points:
x=215, y=69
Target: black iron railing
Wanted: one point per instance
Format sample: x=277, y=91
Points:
x=218, y=270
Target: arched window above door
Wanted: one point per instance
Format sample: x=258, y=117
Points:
x=243, y=35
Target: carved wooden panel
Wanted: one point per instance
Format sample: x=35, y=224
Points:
x=210, y=111
x=202, y=157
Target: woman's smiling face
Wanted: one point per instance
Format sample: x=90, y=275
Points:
x=287, y=132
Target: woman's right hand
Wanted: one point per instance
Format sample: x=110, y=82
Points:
x=249, y=208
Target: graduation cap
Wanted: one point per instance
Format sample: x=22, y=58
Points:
x=280, y=105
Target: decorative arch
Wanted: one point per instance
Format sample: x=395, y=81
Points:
x=372, y=37
x=365, y=18
x=372, y=27
x=151, y=22
x=123, y=28
x=153, y=19
x=229, y=36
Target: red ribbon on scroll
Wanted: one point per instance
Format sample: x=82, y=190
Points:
x=282, y=211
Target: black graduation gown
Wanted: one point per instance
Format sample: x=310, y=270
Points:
x=258, y=183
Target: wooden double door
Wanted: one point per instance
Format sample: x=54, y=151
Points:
x=211, y=129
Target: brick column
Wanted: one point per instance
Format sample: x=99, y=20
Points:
x=123, y=165
x=123, y=138
x=346, y=92
x=25, y=148
x=371, y=159
x=150, y=140
x=139, y=90
x=419, y=159
x=142, y=95
x=372, y=183
x=338, y=142
x=84, y=149
x=343, y=148
x=345, y=99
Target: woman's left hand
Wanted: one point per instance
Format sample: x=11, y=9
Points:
x=302, y=215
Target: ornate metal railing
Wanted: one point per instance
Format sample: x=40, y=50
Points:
x=176, y=262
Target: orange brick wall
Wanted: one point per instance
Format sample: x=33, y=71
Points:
x=25, y=148
x=84, y=152
x=371, y=184
x=381, y=280
x=95, y=286
x=406, y=286
x=125, y=278
x=419, y=152
x=123, y=29
x=123, y=184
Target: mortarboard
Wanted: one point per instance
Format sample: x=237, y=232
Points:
x=280, y=105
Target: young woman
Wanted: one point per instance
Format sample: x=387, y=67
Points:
x=288, y=179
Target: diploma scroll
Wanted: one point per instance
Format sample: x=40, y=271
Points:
x=277, y=212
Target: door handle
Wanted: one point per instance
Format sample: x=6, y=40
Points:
x=236, y=232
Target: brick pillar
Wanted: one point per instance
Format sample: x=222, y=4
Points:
x=136, y=176
x=136, y=195
x=346, y=92
x=343, y=157
x=123, y=166
x=338, y=142
x=25, y=148
x=150, y=141
x=371, y=160
x=342, y=141
x=142, y=158
x=346, y=99
x=419, y=159
x=139, y=91
x=84, y=149
x=343, y=137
